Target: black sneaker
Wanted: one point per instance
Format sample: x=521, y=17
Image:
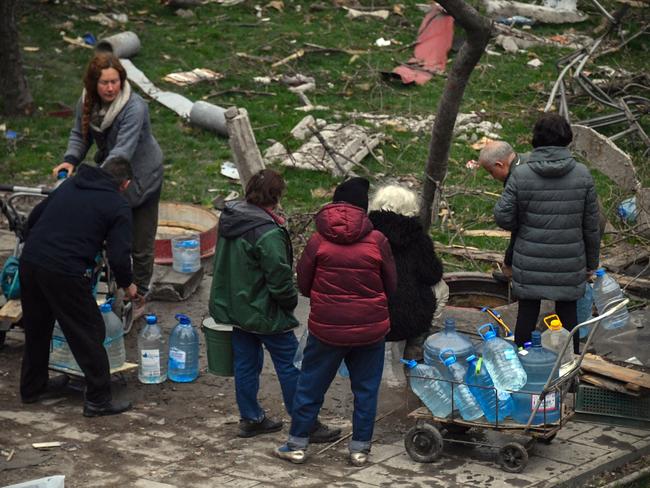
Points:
x=54, y=388
x=92, y=409
x=248, y=428
x=322, y=434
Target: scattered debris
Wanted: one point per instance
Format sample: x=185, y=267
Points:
x=481, y=143
x=472, y=164
x=243, y=146
x=197, y=75
x=184, y=13
x=374, y=14
x=298, y=54
x=46, y=445
x=545, y=15
x=302, y=130
x=181, y=3
x=435, y=37
x=526, y=40
x=381, y=42
x=111, y=21
x=534, y=63
x=78, y=41
x=515, y=20
x=31, y=49
x=229, y=170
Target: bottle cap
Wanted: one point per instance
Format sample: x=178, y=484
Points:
x=183, y=319
x=471, y=358
x=600, y=272
x=62, y=174
x=151, y=318
x=410, y=363
x=450, y=359
x=528, y=345
x=450, y=323
x=106, y=307
x=190, y=244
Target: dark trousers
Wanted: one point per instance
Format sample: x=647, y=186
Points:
x=45, y=297
x=529, y=313
x=145, y=224
x=319, y=366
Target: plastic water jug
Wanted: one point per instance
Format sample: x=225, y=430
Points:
x=556, y=337
x=501, y=361
x=627, y=210
x=114, y=341
x=183, y=351
x=464, y=401
x=538, y=363
x=60, y=353
x=584, y=309
x=428, y=384
x=152, y=353
x=607, y=294
x=186, y=253
x=447, y=338
x=494, y=404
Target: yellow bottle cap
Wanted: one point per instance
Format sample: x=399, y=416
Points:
x=555, y=324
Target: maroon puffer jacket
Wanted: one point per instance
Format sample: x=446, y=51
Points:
x=347, y=269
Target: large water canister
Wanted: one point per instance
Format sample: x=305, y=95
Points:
x=114, y=341
x=60, y=353
x=464, y=401
x=501, y=361
x=427, y=383
x=447, y=338
x=480, y=384
x=608, y=294
x=183, y=351
x=538, y=363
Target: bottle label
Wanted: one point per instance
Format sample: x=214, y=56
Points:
x=509, y=354
x=150, y=362
x=548, y=404
x=176, y=358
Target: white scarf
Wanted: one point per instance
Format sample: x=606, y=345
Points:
x=114, y=108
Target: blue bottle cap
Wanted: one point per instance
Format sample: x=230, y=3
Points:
x=600, y=272
x=190, y=244
x=62, y=174
x=410, y=363
x=183, y=319
x=450, y=359
x=151, y=318
x=106, y=307
x=528, y=345
x=471, y=358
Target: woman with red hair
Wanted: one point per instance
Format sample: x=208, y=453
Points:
x=116, y=119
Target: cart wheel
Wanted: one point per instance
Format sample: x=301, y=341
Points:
x=423, y=443
x=513, y=457
x=548, y=440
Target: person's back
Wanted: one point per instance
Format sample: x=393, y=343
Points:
x=68, y=229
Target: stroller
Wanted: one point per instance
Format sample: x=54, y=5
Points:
x=16, y=215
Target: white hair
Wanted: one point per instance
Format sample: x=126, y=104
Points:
x=395, y=198
x=495, y=151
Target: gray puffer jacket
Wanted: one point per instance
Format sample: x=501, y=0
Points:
x=551, y=203
x=128, y=136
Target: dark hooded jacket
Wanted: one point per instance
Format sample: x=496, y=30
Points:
x=418, y=269
x=552, y=203
x=68, y=242
x=252, y=284
x=347, y=270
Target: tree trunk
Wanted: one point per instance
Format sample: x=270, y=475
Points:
x=478, y=30
x=15, y=97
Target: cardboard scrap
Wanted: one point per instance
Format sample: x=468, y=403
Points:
x=186, y=78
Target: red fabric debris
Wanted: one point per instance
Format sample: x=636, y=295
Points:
x=434, y=40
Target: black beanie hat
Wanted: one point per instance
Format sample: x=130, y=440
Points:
x=353, y=191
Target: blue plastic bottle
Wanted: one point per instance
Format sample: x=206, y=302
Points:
x=183, y=351
x=464, y=401
x=538, y=363
x=607, y=294
x=480, y=384
x=501, y=361
x=425, y=381
x=447, y=338
x=584, y=309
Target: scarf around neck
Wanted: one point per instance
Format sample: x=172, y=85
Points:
x=113, y=109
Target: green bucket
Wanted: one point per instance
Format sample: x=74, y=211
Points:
x=218, y=338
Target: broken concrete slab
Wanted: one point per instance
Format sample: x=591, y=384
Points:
x=243, y=145
x=302, y=130
x=643, y=206
x=171, y=286
x=602, y=154
x=546, y=15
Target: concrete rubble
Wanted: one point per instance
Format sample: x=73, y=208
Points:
x=540, y=13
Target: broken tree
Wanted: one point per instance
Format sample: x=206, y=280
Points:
x=478, y=30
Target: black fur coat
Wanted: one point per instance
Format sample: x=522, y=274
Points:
x=418, y=269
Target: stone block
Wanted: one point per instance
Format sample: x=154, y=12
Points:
x=171, y=286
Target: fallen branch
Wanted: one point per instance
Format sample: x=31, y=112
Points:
x=238, y=91
x=298, y=54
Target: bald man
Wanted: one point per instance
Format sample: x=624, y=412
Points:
x=498, y=158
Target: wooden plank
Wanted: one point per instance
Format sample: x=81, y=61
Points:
x=12, y=311
x=461, y=251
x=636, y=286
x=595, y=364
x=73, y=372
x=607, y=384
x=504, y=234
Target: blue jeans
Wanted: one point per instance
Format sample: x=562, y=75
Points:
x=248, y=359
x=319, y=366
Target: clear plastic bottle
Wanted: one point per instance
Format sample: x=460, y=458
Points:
x=464, y=401
x=186, y=254
x=343, y=370
x=447, y=338
x=183, y=351
x=152, y=353
x=538, y=363
x=430, y=387
x=480, y=384
x=114, y=341
x=60, y=353
x=501, y=361
x=584, y=309
x=607, y=294
x=556, y=337
x=297, y=358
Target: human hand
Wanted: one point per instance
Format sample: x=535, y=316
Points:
x=131, y=292
x=590, y=275
x=61, y=167
x=507, y=271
